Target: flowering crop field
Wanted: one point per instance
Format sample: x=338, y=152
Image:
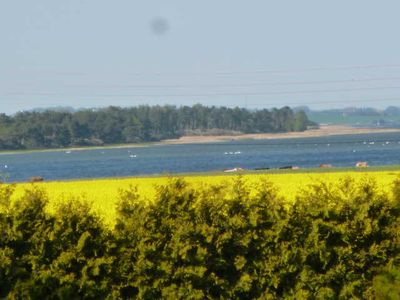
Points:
x=103, y=193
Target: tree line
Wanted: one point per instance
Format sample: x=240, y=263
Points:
x=115, y=125
x=223, y=241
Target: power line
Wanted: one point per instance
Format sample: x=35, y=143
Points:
x=181, y=86
x=313, y=69
x=227, y=72
x=347, y=101
x=266, y=104
x=212, y=94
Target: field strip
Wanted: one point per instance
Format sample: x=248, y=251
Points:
x=103, y=193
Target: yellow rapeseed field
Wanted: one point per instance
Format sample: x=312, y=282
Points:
x=103, y=193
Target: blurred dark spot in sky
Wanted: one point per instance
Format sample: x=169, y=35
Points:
x=159, y=26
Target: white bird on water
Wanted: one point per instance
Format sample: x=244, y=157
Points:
x=5, y=167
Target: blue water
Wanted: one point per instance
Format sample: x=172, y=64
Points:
x=340, y=151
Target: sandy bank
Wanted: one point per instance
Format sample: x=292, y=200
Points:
x=327, y=130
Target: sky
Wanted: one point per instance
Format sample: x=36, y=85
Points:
x=253, y=54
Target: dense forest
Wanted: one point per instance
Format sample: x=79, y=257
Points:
x=112, y=125
x=223, y=241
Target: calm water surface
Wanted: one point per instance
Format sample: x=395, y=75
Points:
x=341, y=151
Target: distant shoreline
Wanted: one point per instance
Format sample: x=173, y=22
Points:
x=325, y=130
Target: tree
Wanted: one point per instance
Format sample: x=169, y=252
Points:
x=112, y=125
x=300, y=121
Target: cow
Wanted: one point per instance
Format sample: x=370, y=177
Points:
x=36, y=179
x=325, y=166
x=362, y=164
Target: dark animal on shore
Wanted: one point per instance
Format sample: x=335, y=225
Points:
x=325, y=166
x=36, y=179
x=289, y=168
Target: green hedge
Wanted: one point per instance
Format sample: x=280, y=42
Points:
x=225, y=241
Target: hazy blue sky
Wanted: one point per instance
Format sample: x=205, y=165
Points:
x=257, y=53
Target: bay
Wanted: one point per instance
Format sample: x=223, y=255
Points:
x=340, y=151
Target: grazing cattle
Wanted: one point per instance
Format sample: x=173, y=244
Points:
x=325, y=166
x=36, y=179
x=362, y=164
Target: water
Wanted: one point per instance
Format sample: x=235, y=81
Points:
x=340, y=151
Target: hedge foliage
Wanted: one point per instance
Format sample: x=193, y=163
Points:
x=224, y=241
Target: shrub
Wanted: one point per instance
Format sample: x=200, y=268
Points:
x=233, y=240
